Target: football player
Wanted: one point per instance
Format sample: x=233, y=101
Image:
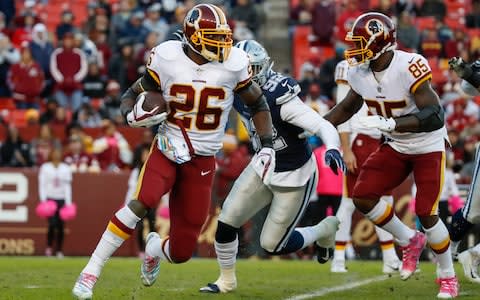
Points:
x=293, y=181
x=465, y=218
x=395, y=85
x=198, y=78
x=357, y=143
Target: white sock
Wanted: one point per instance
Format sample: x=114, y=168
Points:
x=226, y=258
x=439, y=241
x=384, y=216
x=158, y=247
x=344, y=215
x=118, y=230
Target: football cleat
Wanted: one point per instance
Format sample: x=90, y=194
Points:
x=83, y=288
x=323, y=254
x=220, y=286
x=448, y=287
x=151, y=265
x=338, y=266
x=470, y=263
x=411, y=254
x=393, y=266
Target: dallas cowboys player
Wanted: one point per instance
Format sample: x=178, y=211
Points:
x=465, y=218
x=292, y=183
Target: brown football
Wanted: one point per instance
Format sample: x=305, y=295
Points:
x=152, y=100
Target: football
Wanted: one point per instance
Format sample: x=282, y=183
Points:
x=152, y=100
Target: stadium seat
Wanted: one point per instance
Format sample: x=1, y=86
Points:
x=425, y=23
x=17, y=117
x=7, y=103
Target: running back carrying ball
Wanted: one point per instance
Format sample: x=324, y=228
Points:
x=149, y=110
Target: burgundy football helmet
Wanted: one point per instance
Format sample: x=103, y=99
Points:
x=206, y=31
x=372, y=34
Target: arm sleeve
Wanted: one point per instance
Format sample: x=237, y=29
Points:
x=41, y=184
x=301, y=115
x=56, y=74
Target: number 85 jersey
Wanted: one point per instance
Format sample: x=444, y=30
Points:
x=390, y=93
x=199, y=96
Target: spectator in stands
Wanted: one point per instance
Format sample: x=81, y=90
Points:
x=317, y=100
x=8, y=56
x=94, y=83
x=88, y=117
x=112, y=103
x=245, y=12
x=430, y=45
x=62, y=117
x=156, y=23
x=451, y=90
x=144, y=53
x=385, y=7
x=472, y=19
x=302, y=12
x=323, y=21
x=459, y=43
x=345, y=20
x=111, y=149
x=24, y=32
x=89, y=48
x=68, y=67
x=123, y=67
x=76, y=158
x=458, y=119
x=14, y=152
x=327, y=81
x=134, y=31
x=104, y=50
x=66, y=25
x=26, y=80
x=42, y=146
x=177, y=23
x=146, y=142
x=469, y=158
x=87, y=141
x=307, y=77
x=50, y=110
x=8, y=9
x=3, y=25
x=409, y=6
x=119, y=21
x=433, y=8
x=55, y=183
x=408, y=37
x=444, y=32
x=42, y=49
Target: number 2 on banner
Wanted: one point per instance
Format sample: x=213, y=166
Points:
x=19, y=195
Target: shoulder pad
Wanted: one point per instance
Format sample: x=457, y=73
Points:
x=168, y=50
x=286, y=90
x=237, y=60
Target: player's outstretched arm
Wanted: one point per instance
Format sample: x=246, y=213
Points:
x=345, y=109
x=431, y=114
x=144, y=83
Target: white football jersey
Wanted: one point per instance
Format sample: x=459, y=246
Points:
x=200, y=96
x=391, y=95
x=353, y=125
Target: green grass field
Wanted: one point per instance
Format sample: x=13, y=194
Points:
x=33, y=278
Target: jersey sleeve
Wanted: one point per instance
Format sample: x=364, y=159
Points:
x=354, y=80
x=244, y=77
x=286, y=90
x=417, y=72
x=341, y=71
x=154, y=64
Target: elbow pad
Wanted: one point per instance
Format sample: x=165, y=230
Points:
x=431, y=118
x=259, y=105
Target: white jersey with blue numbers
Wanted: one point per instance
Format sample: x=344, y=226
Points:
x=290, y=117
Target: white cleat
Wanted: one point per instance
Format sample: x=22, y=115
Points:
x=220, y=286
x=393, y=266
x=470, y=263
x=328, y=227
x=338, y=266
x=150, y=268
x=83, y=288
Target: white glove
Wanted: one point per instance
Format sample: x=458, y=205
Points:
x=264, y=164
x=141, y=118
x=387, y=125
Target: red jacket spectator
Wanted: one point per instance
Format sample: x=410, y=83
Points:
x=26, y=80
x=459, y=43
x=68, y=66
x=345, y=20
x=431, y=45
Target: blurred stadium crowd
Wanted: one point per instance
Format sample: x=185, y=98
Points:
x=64, y=65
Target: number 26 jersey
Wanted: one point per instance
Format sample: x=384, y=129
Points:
x=390, y=94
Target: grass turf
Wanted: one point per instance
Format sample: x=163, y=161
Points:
x=34, y=278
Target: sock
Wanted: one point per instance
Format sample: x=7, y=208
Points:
x=439, y=241
x=344, y=215
x=226, y=258
x=386, y=244
x=384, y=216
x=158, y=247
x=118, y=230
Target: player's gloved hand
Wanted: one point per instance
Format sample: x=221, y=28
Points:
x=387, y=125
x=264, y=164
x=138, y=117
x=460, y=67
x=334, y=160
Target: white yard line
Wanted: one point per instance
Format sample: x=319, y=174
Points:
x=343, y=287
